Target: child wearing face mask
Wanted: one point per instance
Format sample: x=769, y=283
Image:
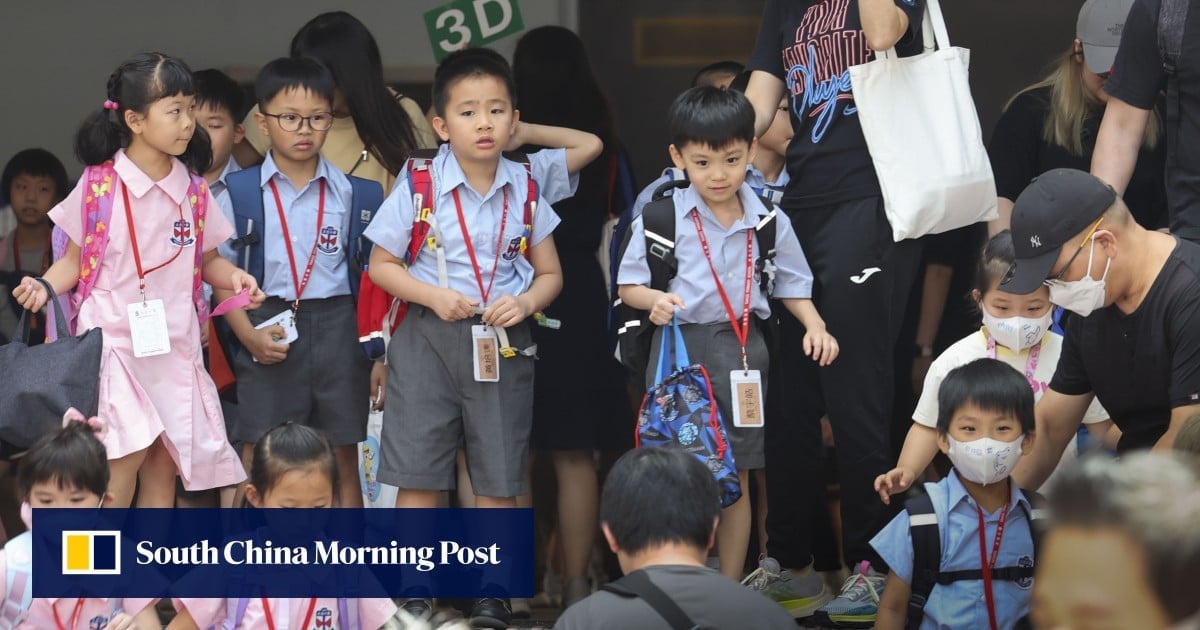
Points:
x=1016, y=330
x=65, y=469
x=983, y=548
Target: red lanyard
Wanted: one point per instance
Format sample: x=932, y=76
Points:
x=989, y=564
x=45, y=255
x=1031, y=362
x=297, y=282
x=462, y=226
x=74, y=615
x=266, y=604
x=742, y=332
x=137, y=255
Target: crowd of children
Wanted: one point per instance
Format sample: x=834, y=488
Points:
x=332, y=191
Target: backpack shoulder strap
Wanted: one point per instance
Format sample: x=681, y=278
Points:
x=658, y=224
x=1036, y=517
x=365, y=198
x=197, y=197
x=638, y=584
x=668, y=188
x=675, y=174
x=18, y=582
x=420, y=183
x=764, y=233
x=927, y=555
x=246, y=199
x=531, y=200
x=100, y=182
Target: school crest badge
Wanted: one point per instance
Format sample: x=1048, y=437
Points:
x=324, y=618
x=327, y=242
x=513, y=250
x=181, y=234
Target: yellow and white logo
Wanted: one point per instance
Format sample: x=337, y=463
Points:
x=91, y=552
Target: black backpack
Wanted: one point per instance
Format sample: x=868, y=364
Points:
x=927, y=554
x=634, y=330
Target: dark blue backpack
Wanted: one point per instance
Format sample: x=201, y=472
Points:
x=681, y=412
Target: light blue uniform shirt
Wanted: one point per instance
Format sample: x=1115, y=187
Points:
x=754, y=178
x=220, y=191
x=391, y=228
x=694, y=281
x=330, y=275
x=962, y=604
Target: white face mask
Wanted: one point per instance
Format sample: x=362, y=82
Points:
x=1017, y=333
x=984, y=461
x=1084, y=295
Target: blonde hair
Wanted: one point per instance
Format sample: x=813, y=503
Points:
x=1071, y=103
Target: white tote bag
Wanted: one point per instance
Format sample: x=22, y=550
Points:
x=923, y=133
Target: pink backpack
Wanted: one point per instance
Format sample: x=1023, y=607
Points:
x=100, y=186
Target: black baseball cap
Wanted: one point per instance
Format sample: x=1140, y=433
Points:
x=1054, y=208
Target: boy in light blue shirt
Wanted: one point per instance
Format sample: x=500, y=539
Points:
x=300, y=359
x=715, y=248
x=450, y=381
x=765, y=174
x=985, y=423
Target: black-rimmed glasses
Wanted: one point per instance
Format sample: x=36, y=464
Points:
x=292, y=122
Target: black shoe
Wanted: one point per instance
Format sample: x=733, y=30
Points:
x=422, y=609
x=490, y=612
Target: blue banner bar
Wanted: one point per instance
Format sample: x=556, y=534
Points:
x=283, y=553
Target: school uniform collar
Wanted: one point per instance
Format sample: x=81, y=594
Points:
x=779, y=182
x=451, y=175
x=175, y=184
x=689, y=198
x=335, y=180
x=957, y=493
x=230, y=167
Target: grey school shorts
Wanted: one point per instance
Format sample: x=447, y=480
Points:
x=434, y=404
x=323, y=383
x=716, y=348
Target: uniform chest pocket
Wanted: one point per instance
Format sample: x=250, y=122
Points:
x=332, y=237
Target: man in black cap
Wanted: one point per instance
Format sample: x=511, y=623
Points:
x=1136, y=344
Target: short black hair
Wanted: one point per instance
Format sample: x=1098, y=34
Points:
x=216, y=89
x=289, y=447
x=38, y=163
x=293, y=73
x=472, y=62
x=655, y=496
x=990, y=385
x=710, y=116
x=720, y=67
x=741, y=81
x=72, y=457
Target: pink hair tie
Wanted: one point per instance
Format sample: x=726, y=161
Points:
x=111, y=105
x=95, y=424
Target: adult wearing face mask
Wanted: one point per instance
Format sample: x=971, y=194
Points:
x=1136, y=344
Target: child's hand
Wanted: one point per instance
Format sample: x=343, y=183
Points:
x=378, y=384
x=121, y=621
x=821, y=346
x=450, y=305
x=505, y=312
x=30, y=294
x=265, y=346
x=204, y=335
x=894, y=481
x=517, y=139
x=242, y=280
x=664, y=309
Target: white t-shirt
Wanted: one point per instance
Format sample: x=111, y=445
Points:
x=974, y=346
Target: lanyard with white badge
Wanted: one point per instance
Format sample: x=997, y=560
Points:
x=745, y=384
x=287, y=319
x=148, y=318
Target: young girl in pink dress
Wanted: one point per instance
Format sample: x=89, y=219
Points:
x=164, y=415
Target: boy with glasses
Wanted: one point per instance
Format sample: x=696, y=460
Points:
x=301, y=360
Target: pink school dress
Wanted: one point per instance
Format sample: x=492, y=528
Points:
x=290, y=613
x=171, y=394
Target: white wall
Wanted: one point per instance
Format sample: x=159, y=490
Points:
x=56, y=55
